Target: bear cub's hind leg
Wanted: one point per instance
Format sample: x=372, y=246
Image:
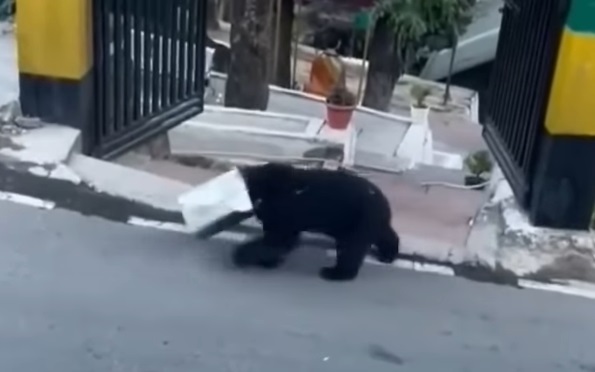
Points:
x=277, y=246
x=386, y=245
x=350, y=257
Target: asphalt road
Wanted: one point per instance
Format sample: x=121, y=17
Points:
x=82, y=294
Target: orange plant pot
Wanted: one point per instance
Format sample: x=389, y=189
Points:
x=338, y=117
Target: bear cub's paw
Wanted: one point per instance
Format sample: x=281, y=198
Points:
x=248, y=255
x=243, y=257
x=270, y=262
x=333, y=274
x=384, y=258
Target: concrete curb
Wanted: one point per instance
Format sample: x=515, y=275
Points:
x=502, y=239
x=36, y=164
x=413, y=252
x=80, y=197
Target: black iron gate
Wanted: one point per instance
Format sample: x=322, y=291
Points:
x=148, y=70
x=520, y=84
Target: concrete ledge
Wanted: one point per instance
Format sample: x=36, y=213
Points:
x=208, y=141
x=49, y=144
x=79, y=197
x=503, y=239
x=444, y=258
x=41, y=163
x=544, y=254
x=123, y=182
x=379, y=132
x=254, y=120
x=237, y=133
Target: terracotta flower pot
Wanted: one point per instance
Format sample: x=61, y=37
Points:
x=338, y=117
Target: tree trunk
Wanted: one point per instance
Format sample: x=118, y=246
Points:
x=212, y=19
x=451, y=64
x=225, y=10
x=247, y=85
x=384, y=67
x=285, y=33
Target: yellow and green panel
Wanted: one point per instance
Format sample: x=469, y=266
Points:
x=54, y=41
x=571, y=107
x=564, y=187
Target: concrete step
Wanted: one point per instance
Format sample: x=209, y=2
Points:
x=130, y=183
x=167, y=169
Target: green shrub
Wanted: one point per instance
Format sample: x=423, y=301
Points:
x=479, y=163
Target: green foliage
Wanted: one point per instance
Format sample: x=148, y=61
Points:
x=419, y=94
x=429, y=23
x=479, y=163
x=405, y=18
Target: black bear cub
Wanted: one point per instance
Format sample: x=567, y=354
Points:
x=348, y=208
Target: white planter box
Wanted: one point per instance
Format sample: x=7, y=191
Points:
x=420, y=116
x=214, y=200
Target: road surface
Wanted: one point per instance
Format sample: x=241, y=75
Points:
x=82, y=294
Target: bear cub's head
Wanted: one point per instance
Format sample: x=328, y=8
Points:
x=267, y=180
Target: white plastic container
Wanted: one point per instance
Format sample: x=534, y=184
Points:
x=213, y=200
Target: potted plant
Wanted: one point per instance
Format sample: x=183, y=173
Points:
x=340, y=104
x=419, y=109
x=478, y=164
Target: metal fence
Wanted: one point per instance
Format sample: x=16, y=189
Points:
x=148, y=70
x=519, y=89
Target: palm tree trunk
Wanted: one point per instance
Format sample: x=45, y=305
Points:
x=285, y=33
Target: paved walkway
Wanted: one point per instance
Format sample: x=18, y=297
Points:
x=438, y=215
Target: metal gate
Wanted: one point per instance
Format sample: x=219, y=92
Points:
x=520, y=84
x=148, y=70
